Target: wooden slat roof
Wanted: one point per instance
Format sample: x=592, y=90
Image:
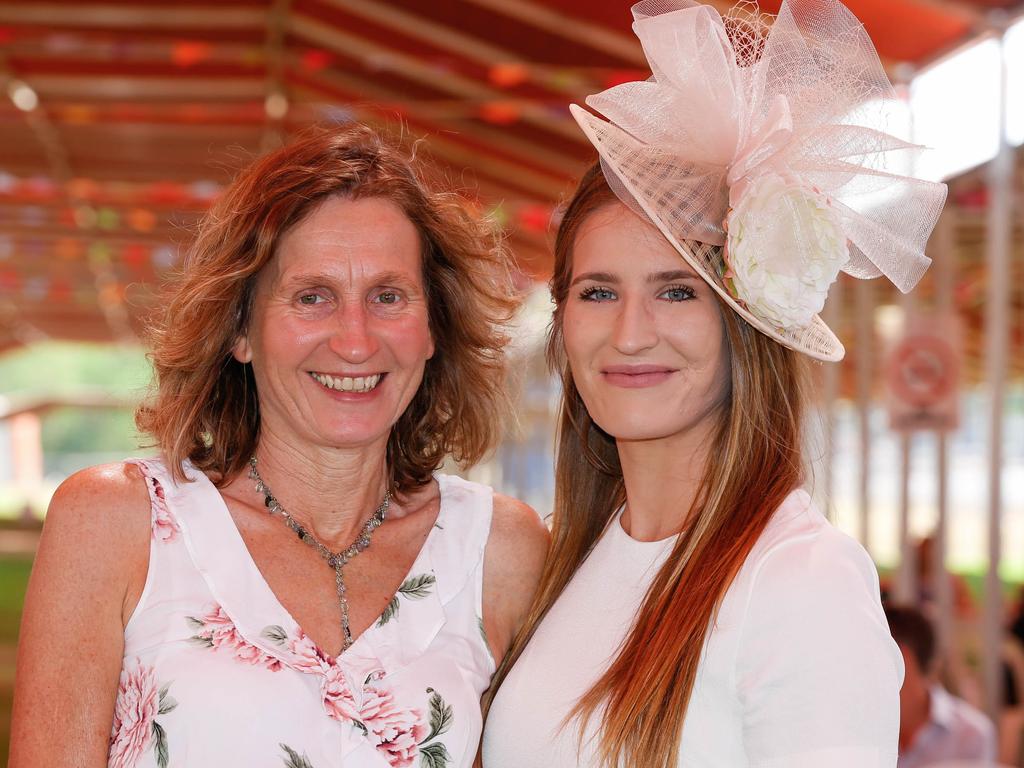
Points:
x=147, y=108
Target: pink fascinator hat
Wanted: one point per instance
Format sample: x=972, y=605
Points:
x=759, y=153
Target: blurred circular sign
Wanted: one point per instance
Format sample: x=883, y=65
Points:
x=923, y=379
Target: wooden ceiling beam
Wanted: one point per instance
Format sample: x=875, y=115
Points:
x=118, y=16
x=165, y=233
x=350, y=44
x=531, y=152
x=544, y=187
x=173, y=135
x=579, y=30
x=422, y=28
x=276, y=99
x=147, y=89
x=62, y=171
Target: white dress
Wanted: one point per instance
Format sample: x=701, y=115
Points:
x=217, y=673
x=798, y=671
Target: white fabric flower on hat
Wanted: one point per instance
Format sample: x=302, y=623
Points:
x=785, y=247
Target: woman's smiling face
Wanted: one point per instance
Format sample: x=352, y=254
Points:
x=339, y=332
x=643, y=333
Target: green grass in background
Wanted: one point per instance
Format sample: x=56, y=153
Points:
x=14, y=572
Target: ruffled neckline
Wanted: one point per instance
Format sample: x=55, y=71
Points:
x=221, y=556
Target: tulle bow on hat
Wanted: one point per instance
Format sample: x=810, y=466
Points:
x=768, y=142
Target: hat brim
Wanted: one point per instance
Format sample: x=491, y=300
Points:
x=636, y=165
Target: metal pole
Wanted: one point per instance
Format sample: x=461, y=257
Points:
x=1000, y=223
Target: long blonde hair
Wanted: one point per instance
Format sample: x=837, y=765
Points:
x=756, y=461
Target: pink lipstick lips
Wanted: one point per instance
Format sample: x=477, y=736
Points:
x=636, y=376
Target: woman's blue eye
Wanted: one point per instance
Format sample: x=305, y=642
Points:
x=596, y=294
x=678, y=293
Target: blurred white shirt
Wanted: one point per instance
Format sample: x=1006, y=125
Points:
x=955, y=731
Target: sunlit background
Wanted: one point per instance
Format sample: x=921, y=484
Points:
x=121, y=121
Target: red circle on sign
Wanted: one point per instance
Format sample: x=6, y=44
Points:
x=923, y=371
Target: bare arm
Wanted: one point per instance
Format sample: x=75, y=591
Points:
x=87, y=577
x=513, y=561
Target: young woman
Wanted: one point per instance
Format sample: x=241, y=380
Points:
x=696, y=609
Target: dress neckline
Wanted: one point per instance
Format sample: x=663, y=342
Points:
x=240, y=588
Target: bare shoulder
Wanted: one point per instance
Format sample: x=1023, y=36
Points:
x=518, y=531
x=513, y=562
x=108, y=498
x=100, y=518
x=113, y=480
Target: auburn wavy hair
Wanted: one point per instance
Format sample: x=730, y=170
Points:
x=757, y=461
x=204, y=405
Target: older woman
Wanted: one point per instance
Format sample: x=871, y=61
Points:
x=291, y=583
x=696, y=609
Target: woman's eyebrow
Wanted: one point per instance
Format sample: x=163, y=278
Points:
x=388, y=277
x=304, y=278
x=597, y=277
x=674, y=274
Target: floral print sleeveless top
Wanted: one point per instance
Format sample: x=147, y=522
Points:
x=217, y=673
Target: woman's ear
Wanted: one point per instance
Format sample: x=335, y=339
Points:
x=242, y=351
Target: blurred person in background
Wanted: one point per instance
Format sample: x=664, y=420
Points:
x=1016, y=618
x=292, y=582
x=935, y=725
x=928, y=567
x=696, y=608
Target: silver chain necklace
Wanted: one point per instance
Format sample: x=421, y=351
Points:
x=336, y=560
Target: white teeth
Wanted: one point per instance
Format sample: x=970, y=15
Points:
x=348, y=383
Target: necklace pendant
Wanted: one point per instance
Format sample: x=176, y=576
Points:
x=336, y=560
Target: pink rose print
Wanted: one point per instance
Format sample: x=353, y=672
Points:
x=218, y=631
x=165, y=527
x=135, y=728
x=338, y=700
x=306, y=655
x=134, y=713
x=400, y=734
x=397, y=731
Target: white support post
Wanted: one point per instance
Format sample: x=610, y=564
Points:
x=945, y=256
x=829, y=396
x=998, y=242
x=906, y=579
x=864, y=309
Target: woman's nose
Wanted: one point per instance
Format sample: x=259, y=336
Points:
x=634, y=329
x=353, y=339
